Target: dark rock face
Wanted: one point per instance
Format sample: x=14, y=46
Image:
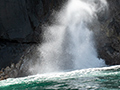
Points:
x=20, y=19
x=11, y=53
x=20, y=26
x=14, y=20
x=108, y=42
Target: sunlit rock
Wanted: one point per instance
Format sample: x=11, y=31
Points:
x=13, y=73
x=12, y=65
x=7, y=70
x=18, y=65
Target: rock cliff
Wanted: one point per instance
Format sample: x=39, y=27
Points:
x=20, y=26
x=108, y=41
x=20, y=29
x=20, y=32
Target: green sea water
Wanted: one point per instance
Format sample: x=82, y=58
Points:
x=106, y=78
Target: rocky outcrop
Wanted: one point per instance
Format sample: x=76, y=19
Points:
x=20, y=29
x=108, y=41
x=10, y=72
x=20, y=67
x=20, y=26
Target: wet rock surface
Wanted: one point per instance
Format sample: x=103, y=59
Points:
x=108, y=41
x=20, y=29
x=10, y=72
x=20, y=67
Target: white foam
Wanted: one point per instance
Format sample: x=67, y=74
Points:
x=69, y=44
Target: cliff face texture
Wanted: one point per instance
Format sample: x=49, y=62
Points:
x=20, y=26
x=20, y=19
x=20, y=30
x=109, y=38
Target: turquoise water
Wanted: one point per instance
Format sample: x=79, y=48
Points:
x=107, y=78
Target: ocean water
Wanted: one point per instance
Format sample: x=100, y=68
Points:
x=106, y=78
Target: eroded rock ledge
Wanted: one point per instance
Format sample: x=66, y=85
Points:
x=10, y=72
